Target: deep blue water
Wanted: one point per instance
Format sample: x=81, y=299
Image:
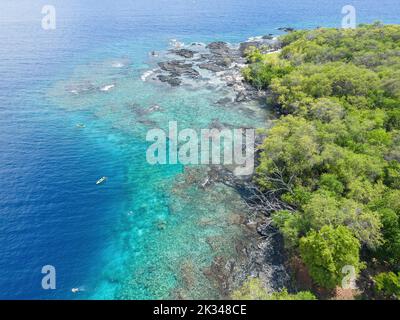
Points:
x=102, y=239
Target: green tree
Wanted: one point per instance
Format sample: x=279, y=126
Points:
x=285, y=295
x=327, y=251
x=289, y=154
x=390, y=248
x=388, y=284
x=264, y=68
x=253, y=289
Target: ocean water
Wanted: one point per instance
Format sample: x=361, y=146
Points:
x=149, y=232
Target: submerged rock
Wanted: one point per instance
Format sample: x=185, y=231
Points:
x=140, y=111
x=161, y=225
x=173, y=81
x=154, y=108
x=188, y=274
x=236, y=219
x=224, y=101
x=260, y=258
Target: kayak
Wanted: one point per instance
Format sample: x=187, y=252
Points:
x=101, y=180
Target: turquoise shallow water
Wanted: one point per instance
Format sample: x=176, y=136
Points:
x=149, y=231
x=170, y=229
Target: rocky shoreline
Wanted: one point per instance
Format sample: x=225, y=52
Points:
x=260, y=253
x=220, y=62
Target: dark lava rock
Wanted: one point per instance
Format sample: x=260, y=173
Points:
x=186, y=53
x=241, y=96
x=269, y=36
x=286, y=29
x=178, y=68
x=264, y=229
x=192, y=73
x=246, y=45
x=224, y=62
x=173, y=81
x=258, y=258
x=175, y=66
x=219, y=47
x=206, y=56
x=216, y=124
x=210, y=66
x=148, y=123
x=224, y=101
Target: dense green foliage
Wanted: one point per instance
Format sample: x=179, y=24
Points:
x=285, y=295
x=252, y=289
x=388, y=284
x=264, y=67
x=334, y=153
x=327, y=251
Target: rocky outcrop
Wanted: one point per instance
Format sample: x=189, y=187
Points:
x=173, y=81
x=286, y=29
x=244, y=46
x=269, y=36
x=186, y=53
x=219, y=48
x=211, y=66
x=171, y=72
x=222, y=60
x=177, y=68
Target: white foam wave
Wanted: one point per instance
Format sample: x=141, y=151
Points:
x=146, y=75
x=176, y=44
x=107, y=87
x=257, y=38
x=117, y=65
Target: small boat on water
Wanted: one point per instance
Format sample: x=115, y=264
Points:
x=80, y=125
x=79, y=289
x=101, y=180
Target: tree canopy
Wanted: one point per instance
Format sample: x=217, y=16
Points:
x=334, y=152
